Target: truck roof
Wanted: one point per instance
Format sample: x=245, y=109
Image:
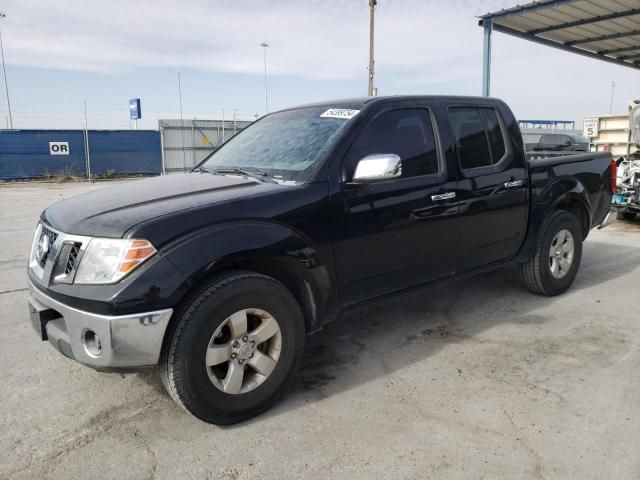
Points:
x=362, y=101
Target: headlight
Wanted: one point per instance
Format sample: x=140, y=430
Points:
x=107, y=260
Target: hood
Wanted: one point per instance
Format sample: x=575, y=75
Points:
x=111, y=211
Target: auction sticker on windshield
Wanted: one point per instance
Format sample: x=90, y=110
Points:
x=340, y=113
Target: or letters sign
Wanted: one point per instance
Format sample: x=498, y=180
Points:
x=58, y=148
x=590, y=127
x=135, y=109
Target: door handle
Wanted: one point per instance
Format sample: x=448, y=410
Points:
x=513, y=184
x=443, y=196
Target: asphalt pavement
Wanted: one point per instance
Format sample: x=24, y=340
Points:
x=475, y=379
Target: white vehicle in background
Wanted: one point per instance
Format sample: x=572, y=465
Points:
x=620, y=135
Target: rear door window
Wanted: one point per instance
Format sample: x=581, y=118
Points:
x=494, y=133
x=479, y=136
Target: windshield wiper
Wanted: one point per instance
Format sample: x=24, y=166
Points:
x=258, y=175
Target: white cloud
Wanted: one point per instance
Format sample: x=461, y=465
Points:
x=315, y=39
x=420, y=46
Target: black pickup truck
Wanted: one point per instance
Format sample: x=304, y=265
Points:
x=560, y=142
x=216, y=276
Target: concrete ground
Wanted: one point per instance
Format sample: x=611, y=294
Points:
x=477, y=379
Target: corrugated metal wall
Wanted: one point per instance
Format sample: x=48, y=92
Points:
x=25, y=153
x=186, y=143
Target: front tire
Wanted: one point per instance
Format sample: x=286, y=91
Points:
x=234, y=348
x=554, y=264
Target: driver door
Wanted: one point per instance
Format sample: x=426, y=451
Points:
x=397, y=233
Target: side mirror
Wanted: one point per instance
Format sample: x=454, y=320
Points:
x=377, y=168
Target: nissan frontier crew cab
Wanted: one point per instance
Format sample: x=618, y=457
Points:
x=216, y=276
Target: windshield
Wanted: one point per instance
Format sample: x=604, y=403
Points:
x=284, y=145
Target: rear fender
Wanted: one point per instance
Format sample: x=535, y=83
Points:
x=564, y=193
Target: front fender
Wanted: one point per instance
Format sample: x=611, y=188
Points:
x=243, y=243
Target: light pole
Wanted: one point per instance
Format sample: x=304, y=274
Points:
x=613, y=88
x=264, y=46
x=184, y=157
x=372, y=10
x=4, y=73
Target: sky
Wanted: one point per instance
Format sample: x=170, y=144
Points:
x=62, y=54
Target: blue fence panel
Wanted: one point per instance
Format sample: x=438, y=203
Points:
x=125, y=151
x=26, y=154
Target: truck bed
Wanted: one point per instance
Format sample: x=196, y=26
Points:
x=592, y=176
x=548, y=159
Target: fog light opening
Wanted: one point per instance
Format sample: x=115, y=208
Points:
x=91, y=342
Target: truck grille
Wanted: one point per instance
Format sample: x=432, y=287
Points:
x=59, y=262
x=73, y=257
x=52, y=238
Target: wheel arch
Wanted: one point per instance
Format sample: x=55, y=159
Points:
x=579, y=206
x=565, y=193
x=262, y=247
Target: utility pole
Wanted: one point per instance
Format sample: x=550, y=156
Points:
x=4, y=74
x=372, y=11
x=613, y=87
x=86, y=142
x=264, y=46
x=184, y=155
x=235, y=121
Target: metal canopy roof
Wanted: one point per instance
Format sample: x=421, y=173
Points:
x=607, y=30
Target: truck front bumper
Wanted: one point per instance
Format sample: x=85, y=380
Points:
x=102, y=342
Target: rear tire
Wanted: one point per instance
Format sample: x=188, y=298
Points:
x=555, y=261
x=626, y=216
x=208, y=387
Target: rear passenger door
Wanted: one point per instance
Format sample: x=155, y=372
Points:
x=493, y=184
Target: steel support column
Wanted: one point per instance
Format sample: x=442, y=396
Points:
x=486, y=59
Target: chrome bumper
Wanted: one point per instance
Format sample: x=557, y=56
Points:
x=126, y=341
x=608, y=219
